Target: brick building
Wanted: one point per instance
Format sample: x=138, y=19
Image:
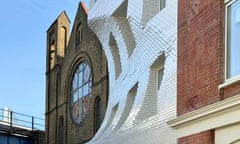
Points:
x=76, y=81
x=172, y=72
x=208, y=83
x=139, y=42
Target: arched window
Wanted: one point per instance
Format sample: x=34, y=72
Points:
x=80, y=93
x=79, y=34
x=98, y=115
x=61, y=131
x=52, y=54
x=62, y=41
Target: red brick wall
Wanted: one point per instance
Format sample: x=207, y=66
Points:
x=200, y=53
x=206, y=137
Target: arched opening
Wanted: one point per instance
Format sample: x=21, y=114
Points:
x=98, y=113
x=61, y=131
x=52, y=54
x=62, y=41
x=156, y=73
x=128, y=106
x=79, y=34
x=80, y=92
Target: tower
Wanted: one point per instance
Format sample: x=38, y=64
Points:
x=57, y=41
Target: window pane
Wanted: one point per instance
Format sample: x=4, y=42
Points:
x=86, y=74
x=85, y=90
x=80, y=93
x=75, y=82
x=80, y=78
x=234, y=41
x=75, y=96
x=81, y=67
x=160, y=76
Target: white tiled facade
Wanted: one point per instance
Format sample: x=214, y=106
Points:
x=137, y=44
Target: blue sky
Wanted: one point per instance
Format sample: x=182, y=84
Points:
x=23, y=51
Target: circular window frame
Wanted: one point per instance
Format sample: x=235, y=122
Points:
x=81, y=99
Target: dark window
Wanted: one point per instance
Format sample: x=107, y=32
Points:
x=162, y=4
x=160, y=76
x=98, y=115
x=79, y=34
x=61, y=131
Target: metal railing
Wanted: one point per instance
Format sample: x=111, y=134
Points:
x=19, y=120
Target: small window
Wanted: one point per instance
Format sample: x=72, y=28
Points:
x=61, y=131
x=232, y=39
x=79, y=34
x=160, y=76
x=157, y=71
x=151, y=8
x=162, y=4
x=98, y=114
x=52, y=54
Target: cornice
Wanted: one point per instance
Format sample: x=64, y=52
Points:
x=216, y=115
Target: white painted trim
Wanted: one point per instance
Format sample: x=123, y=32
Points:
x=214, y=116
x=226, y=41
x=230, y=82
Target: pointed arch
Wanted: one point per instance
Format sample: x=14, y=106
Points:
x=61, y=130
x=97, y=113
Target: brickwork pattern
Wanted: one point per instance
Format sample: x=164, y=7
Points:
x=59, y=82
x=201, y=61
x=231, y=90
x=200, y=53
x=139, y=44
x=206, y=137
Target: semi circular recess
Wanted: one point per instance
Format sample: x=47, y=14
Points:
x=128, y=106
x=116, y=56
x=149, y=105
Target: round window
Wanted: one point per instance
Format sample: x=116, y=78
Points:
x=80, y=92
